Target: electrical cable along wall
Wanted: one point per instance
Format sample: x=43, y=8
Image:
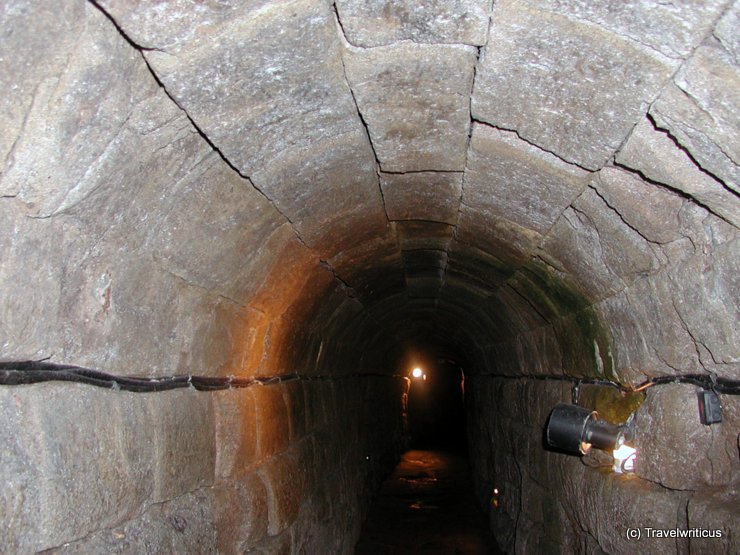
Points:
x=269, y=206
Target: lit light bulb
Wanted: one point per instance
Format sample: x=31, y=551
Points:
x=624, y=459
x=417, y=372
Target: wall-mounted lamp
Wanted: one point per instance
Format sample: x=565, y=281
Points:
x=575, y=429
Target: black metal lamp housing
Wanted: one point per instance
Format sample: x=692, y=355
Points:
x=576, y=429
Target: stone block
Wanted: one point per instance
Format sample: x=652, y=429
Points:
x=60, y=439
x=656, y=156
x=699, y=110
x=497, y=237
x=163, y=26
x=381, y=22
x=606, y=505
x=184, y=442
x=276, y=75
x=650, y=305
x=236, y=432
x=273, y=425
x=74, y=113
x=676, y=450
x=415, y=234
x=715, y=512
x=559, y=92
x=415, y=101
x=40, y=37
x=674, y=29
x=214, y=234
x=514, y=180
x=285, y=480
x=241, y=513
x=648, y=208
x=428, y=196
x=182, y=525
x=702, y=287
x=592, y=243
x=725, y=31
x=329, y=191
x=294, y=402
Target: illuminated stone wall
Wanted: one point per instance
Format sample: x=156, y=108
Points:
x=255, y=188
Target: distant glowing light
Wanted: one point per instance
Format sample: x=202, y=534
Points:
x=417, y=372
x=624, y=459
x=494, y=498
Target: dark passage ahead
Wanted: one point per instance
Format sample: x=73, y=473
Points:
x=426, y=506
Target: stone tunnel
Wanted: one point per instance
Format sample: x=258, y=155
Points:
x=313, y=195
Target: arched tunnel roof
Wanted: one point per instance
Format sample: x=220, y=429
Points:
x=526, y=183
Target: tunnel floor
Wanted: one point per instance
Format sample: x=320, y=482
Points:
x=426, y=506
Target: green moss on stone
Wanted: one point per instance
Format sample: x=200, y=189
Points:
x=584, y=340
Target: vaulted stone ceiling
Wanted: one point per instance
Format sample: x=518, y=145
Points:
x=500, y=178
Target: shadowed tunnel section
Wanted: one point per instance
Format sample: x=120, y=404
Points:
x=538, y=191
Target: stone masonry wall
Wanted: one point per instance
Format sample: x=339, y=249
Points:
x=268, y=469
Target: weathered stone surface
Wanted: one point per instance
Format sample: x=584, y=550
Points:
x=496, y=236
x=476, y=265
x=591, y=243
x=40, y=37
x=184, y=444
x=428, y=196
x=381, y=22
x=305, y=147
x=285, y=480
x=653, y=211
x=241, y=513
x=608, y=505
x=329, y=191
x=78, y=118
x=63, y=438
x=700, y=111
x=273, y=428
x=183, y=525
x=714, y=511
x=241, y=221
x=726, y=31
x=277, y=78
x=675, y=449
x=415, y=100
x=560, y=94
x=423, y=235
x=706, y=292
x=235, y=433
x=656, y=156
x=518, y=182
x=674, y=29
x=161, y=26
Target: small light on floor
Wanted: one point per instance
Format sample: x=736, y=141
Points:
x=624, y=459
x=494, y=498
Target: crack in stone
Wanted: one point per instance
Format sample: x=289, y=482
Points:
x=378, y=167
x=161, y=265
x=412, y=172
x=145, y=507
x=197, y=128
x=533, y=144
x=688, y=153
x=621, y=218
x=677, y=191
x=223, y=157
